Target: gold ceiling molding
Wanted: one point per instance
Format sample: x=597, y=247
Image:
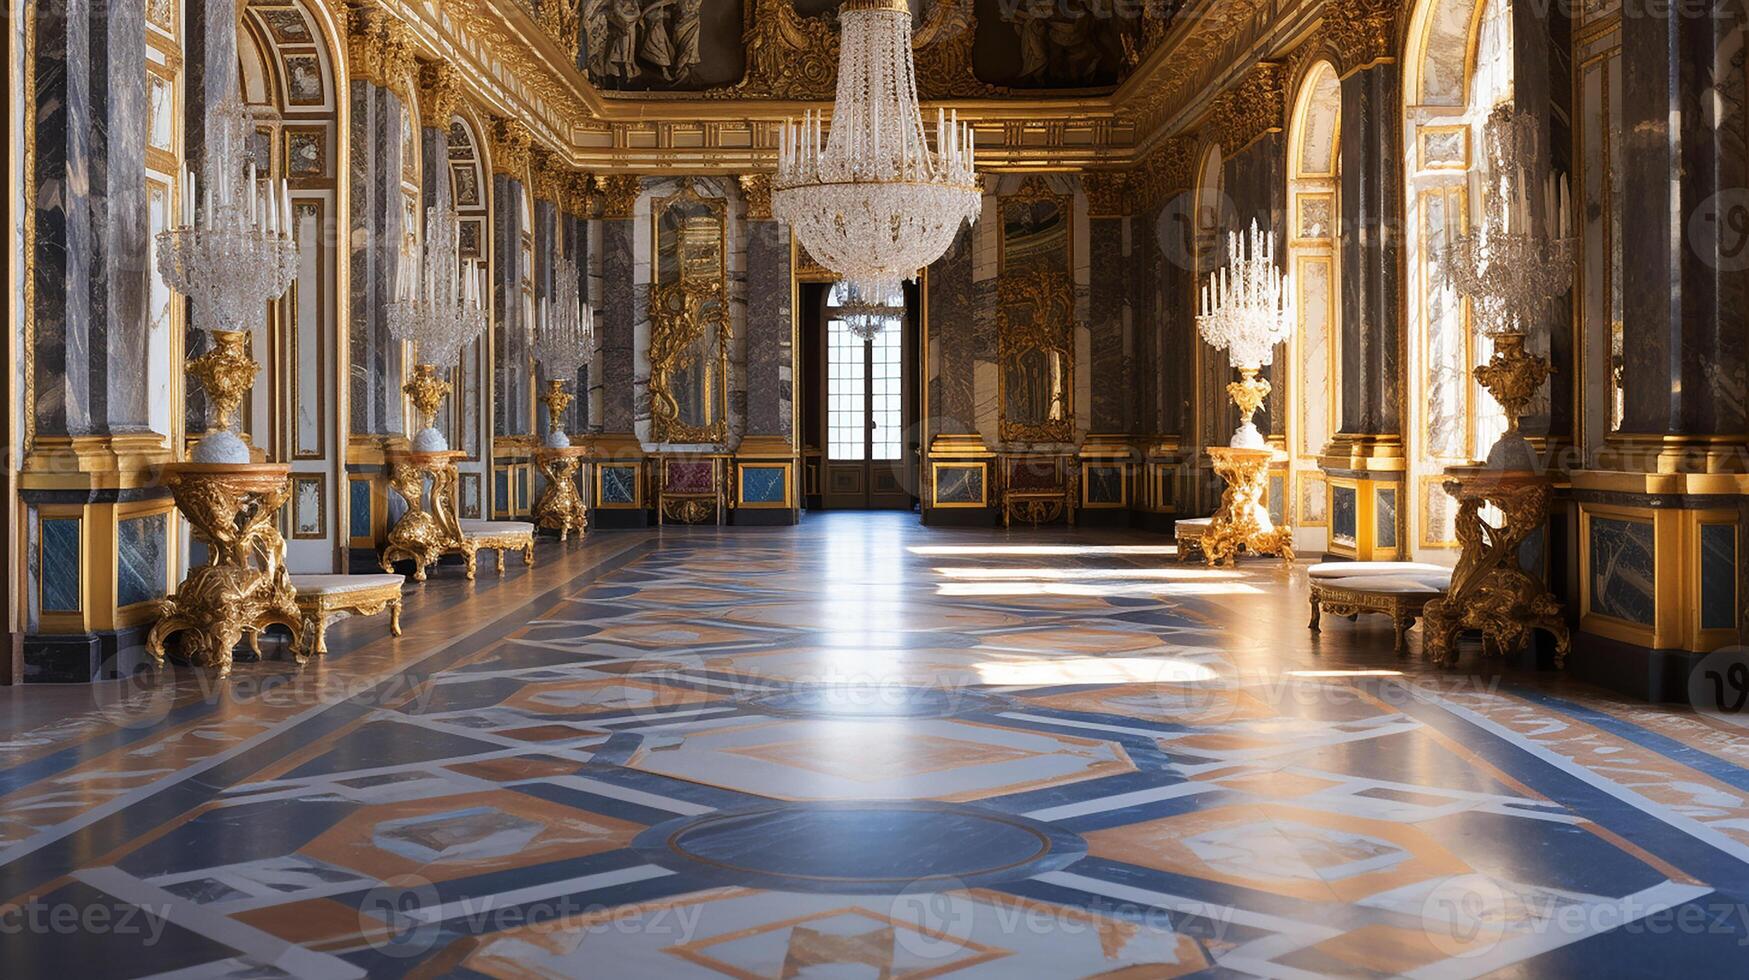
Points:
x=509, y=141
x=1360, y=33
x=1108, y=193
x=1163, y=173
x=1254, y=108
x=793, y=56
x=440, y=93
x=756, y=191
x=1206, y=38
x=619, y=195
x=563, y=21
x=380, y=50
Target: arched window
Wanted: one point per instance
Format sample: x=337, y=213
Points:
x=1314, y=213
x=1457, y=69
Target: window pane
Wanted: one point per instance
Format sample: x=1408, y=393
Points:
x=888, y=407
x=846, y=420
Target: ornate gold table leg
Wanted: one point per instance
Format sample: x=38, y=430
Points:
x=1243, y=523
x=560, y=507
x=428, y=528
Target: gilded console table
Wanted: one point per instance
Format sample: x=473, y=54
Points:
x=1243, y=522
x=1490, y=591
x=429, y=527
x=244, y=586
x=560, y=507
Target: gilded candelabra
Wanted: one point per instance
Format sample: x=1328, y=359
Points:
x=1509, y=271
x=567, y=332
x=439, y=308
x=1247, y=310
x=244, y=586
x=234, y=256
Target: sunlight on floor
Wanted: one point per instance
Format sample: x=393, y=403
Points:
x=1201, y=574
x=1067, y=588
x=1094, y=670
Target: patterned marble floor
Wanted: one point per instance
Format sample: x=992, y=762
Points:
x=864, y=749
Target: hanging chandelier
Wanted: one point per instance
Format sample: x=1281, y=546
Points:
x=870, y=201
x=866, y=316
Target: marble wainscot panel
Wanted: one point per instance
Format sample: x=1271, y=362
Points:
x=58, y=567
x=619, y=311
x=1623, y=569
x=769, y=347
x=1718, y=576
x=140, y=560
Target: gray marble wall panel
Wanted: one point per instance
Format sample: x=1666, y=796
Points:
x=546, y=262
x=1686, y=295
x=1372, y=194
x=91, y=247
x=618, y=315
x=1623, y=569
x=376, y=222
x=510, y=368
x=770, y=331
x=140, y=559
x=1113, y=386
x=951, y=390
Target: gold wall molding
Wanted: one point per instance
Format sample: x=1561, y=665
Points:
x=440, y=93
x=579, y=196
x=563, y=20
x=1163, y=173
x=619, y=195
x=380, y=50
x=1108, y=193
x=1359, y=33
x=1251, y=110
x=509, y=141
x=756, y=191
x=1206, y=38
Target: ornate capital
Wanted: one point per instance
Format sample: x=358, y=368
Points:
x=619, y=195
x=547, y=176
x=756, y=191
x=1108, y=193
x=1163, y=173
x=1254, y=107
x=510, y=141
x=380, y=49
x=1358, y=33
x=579, y=194
x=440, y=93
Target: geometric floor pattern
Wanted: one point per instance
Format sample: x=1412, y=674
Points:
x=860, y=748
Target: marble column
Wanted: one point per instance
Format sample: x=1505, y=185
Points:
x=510, y=353
x=1686, y=298
x=91, y=243
x=377, y=222
x=770, y=329
x=1543, y=85
x=546, y=267
x=952, y=354
x=618, y=306
x=1371, y=261
x=1114, y=401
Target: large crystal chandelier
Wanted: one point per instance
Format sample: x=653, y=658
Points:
x=564, y=338
x=1247, y=309
x=1509, y=271
x=870, y=201
x=235, y=256
x=439, y=308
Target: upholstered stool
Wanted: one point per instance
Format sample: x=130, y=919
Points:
x=499, y=536
x=323, y=597
x=1188, y=532
x=1349, y=569
x=1373, y=587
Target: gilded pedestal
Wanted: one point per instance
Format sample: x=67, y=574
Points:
x=429, y=527
x=1243, y=522
x=244, y=586
x=560, y=507
x=1490, y=590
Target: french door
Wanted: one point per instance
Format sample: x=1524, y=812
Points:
x=865, y=418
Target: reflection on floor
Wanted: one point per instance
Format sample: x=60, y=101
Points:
x=860, y=748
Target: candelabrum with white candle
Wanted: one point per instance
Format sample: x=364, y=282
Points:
x=565, y=334
x=236, y=255
x=439, y=308
x=1509, y=269
x=1246, y=310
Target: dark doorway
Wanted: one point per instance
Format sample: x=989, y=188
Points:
x=860, y=405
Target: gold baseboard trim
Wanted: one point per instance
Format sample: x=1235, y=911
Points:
x=110, y=462
x=1359, y=452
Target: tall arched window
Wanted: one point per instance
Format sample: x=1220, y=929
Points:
x=1457, y=69
x=1314, y=212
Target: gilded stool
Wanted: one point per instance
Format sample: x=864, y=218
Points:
x=499, y=536
x=325, y=597
x=1188, y=532
x=1398, y=589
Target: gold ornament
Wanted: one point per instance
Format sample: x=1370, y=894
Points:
x=380, y=50
x=510, y=143
x=244, y=586
x=1248, y=393
x=427, y=390
x=225, y=373
x=1513, y=376
x=556, y=399
x=1490, y=591
x=1107, y=193
x=619, y=195
x=429, y=526
x=560, y=507
x=440, y=93
x=1251, y=110
x=563, y=20
x=681, y=313
x=1046, y=330
x=756, y=191
x=1359, y=33
x=1243, y=521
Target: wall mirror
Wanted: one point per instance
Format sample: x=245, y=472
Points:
x=689, y=319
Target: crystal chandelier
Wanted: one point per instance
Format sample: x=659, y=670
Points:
x=235, y=257
x=565, y=336
x=438, y=308
x=870, y=201
x=1509, y=271
x=866, y=316
x=1247, y=309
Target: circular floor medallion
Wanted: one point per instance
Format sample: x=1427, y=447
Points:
x=860, y=848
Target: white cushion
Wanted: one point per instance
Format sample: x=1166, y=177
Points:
x=1348, y=569
x=497, y=528
x=1391, y=584
x=338, y=584
x=1202, y=522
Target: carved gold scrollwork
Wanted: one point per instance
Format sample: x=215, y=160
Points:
x=681, y=313
x=1360, y=32
x=1107, y=193
x=510, y=143
x=1242, y=523
x=619, y=195
x=440, y=93
x=560, y=507
x=1252, y=109
x=563, y=19
x=1163, y=173
x=380, y=49
x=756, y=191
x=1036, y=356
